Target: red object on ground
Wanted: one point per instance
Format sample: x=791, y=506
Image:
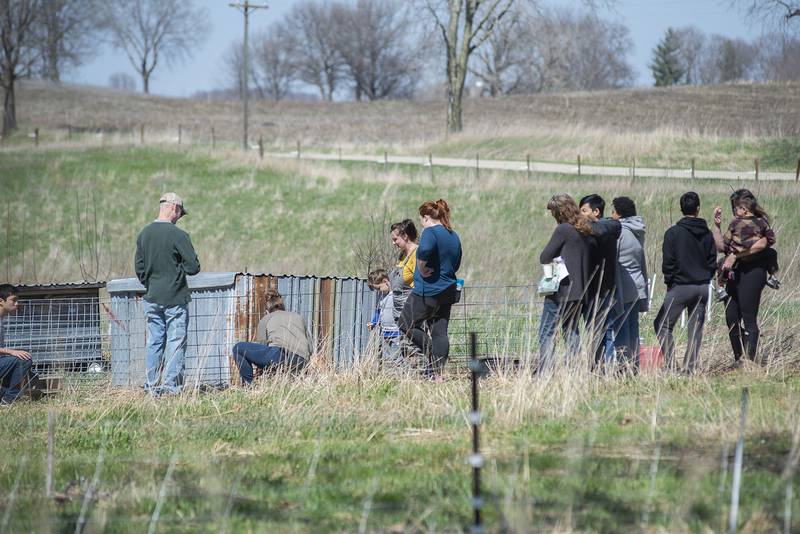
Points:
x=650, y=359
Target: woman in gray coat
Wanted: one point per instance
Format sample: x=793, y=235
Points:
x=631, y=282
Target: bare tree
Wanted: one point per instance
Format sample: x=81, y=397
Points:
x=151, y=30
x=727, y=60
x=372, y=38
x=17, y=53
x=232, y=67
x=314, y=52
x=770, y=11
x=273, y=66
x=122, y=81
x=692, y=41
x=597, y=57
x=502, y=58
x=464, y=25
x=561, y=49
x=778, y=57
x=67, y=31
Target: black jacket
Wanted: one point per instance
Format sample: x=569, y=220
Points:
x=604, y=258
x=689, y=253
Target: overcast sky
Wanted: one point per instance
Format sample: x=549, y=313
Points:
x=646, y=19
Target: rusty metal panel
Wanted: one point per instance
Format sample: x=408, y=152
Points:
x=325, y=317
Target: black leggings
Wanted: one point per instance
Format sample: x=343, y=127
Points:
x=436, y=311
x=742, y=307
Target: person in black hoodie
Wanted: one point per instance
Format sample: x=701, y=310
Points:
x=689, y=262
x=599, y=308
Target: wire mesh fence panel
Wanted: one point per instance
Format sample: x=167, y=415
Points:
x=504, y=317
x=62, y=334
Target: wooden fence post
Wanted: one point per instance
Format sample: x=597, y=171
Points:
x=756, y=166
x=298, y=149
x=36, y=136
x=579, y=164
x=797, y=172
x=260, y=146
x=528, y=165
x=633, y=167
x=69, y=132
x=213, y=138
x=693, y=167
x=141, y=133
x=385, y=161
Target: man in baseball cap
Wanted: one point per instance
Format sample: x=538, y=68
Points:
x=174, y=199
x=164, y=256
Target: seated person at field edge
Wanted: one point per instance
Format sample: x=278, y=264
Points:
x=15, y=364
x=281, y=341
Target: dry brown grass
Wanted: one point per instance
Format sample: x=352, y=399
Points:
x=771, y=110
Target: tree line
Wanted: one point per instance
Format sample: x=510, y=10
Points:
x=687, y=56
x=375, y=49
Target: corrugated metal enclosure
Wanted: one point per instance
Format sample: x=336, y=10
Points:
x=59, y=324
x=226, y=308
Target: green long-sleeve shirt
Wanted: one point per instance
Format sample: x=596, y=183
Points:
x=164, y=256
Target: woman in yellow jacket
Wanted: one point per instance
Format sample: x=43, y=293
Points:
x=401, y=277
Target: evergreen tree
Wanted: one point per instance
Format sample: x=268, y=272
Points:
x=666, y=65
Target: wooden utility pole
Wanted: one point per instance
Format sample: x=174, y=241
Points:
x=245, y=7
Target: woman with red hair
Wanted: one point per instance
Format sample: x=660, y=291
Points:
x=434, y=291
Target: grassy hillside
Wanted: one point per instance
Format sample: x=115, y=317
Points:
x=723, y=127
x=80, y=210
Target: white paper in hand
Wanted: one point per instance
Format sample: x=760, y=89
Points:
x=562, y=268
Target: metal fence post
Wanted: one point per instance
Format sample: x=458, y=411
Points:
x=475, y=459
x=733, y=517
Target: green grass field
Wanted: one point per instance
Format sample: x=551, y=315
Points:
x=79, y=211
x=335, y=451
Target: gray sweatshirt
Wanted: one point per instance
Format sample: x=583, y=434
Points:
x=632, y=274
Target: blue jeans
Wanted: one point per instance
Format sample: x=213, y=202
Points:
x=12, y=373
x=555, y=314
x=600, y=317
x=264, y=356
x=627, y=334
x=166, y=346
